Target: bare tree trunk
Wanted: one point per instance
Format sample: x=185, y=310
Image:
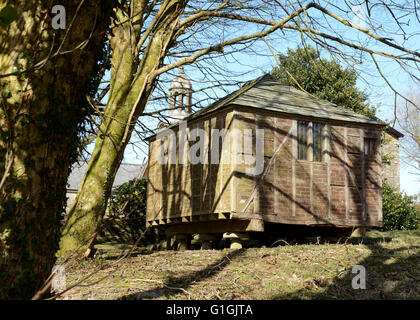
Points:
x=41, y=112
x=129, y=93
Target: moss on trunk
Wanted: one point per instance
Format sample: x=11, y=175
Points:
x=129, y=94
x=41, y=114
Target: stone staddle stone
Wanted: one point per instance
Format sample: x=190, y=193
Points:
x=194, y=239
x=236, y=235
x=235, y=239
x=205, y=239
x=182, y=245
x=182, y=240
x=235, y=243
x=358, y=232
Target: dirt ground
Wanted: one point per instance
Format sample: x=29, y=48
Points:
x=284, y=271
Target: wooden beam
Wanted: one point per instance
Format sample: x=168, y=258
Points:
x=336, y=222
x=328, y=161
x=214, y=227
x=346, y=172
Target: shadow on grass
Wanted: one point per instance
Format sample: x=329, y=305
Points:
x=391, y=273
x=179, y=284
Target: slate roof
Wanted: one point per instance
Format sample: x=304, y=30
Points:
x=394, y=132
x=268, y=94
x=126, y=172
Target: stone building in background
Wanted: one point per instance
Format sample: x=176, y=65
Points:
x=125, y=173
x=390, y=153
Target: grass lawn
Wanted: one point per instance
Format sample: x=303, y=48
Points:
x=299, y=271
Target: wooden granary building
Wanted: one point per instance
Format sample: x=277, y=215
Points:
x=265, y=155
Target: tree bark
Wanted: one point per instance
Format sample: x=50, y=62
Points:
x=41, y=113
x=129, y=93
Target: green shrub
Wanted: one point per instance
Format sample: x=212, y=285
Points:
x=399, y=211
x=126, y=219
x=129, y=199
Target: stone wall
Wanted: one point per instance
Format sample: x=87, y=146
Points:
x=391, y=171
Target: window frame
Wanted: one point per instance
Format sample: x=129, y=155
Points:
x=302, y=139
x=311, y=140
x=318, y=145
x=369, y=146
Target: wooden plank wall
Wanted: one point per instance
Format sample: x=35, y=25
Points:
x=178, y=192
x=344, y=189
